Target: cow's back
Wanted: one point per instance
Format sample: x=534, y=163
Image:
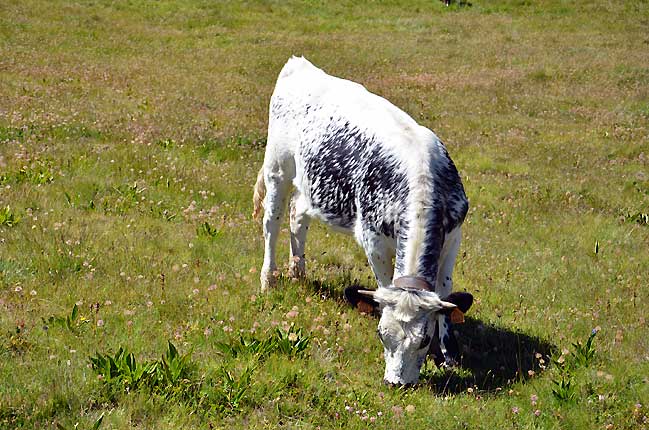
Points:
x=356, y=156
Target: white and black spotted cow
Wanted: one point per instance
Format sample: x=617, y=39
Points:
x=360, y=164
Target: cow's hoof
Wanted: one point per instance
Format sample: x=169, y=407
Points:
x=296, y=268
x=449, y=363
x=268, y=280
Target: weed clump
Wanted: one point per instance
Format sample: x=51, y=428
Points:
x=74, y=322
x=170, y=376
x=175, y=377
x=582, y=355
x=292, y=343
x=8, y=217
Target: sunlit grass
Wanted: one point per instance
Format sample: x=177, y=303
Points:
x=130, y=137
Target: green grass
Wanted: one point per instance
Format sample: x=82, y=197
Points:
x=130, y=137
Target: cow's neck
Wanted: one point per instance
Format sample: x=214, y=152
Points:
x=419, y=241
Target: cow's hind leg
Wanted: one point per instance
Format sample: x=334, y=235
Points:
x=299, y=227
x=277, y=187
x=447, y=342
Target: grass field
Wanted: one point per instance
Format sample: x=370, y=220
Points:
x=130, y=136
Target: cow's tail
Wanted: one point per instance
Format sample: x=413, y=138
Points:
x=258, y=195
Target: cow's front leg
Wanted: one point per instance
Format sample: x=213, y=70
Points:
x=448, y=346
x=444, y=286
x=379, y=254
x=274, y=204
x=299, y=226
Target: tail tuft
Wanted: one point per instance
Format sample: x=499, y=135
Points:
x=258, y=195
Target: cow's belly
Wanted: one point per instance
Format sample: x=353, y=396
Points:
x=335, y=221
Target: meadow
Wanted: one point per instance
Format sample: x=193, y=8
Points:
x=131, y=132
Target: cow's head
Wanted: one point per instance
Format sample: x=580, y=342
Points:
x=407, y=325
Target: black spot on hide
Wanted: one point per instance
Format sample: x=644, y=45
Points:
x=351, y=176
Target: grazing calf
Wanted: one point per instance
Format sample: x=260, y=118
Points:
x=361, y=165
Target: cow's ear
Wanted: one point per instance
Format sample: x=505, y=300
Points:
x=361, y=299
x=463, y=301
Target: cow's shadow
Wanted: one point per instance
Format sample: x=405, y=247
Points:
x=491, y=357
